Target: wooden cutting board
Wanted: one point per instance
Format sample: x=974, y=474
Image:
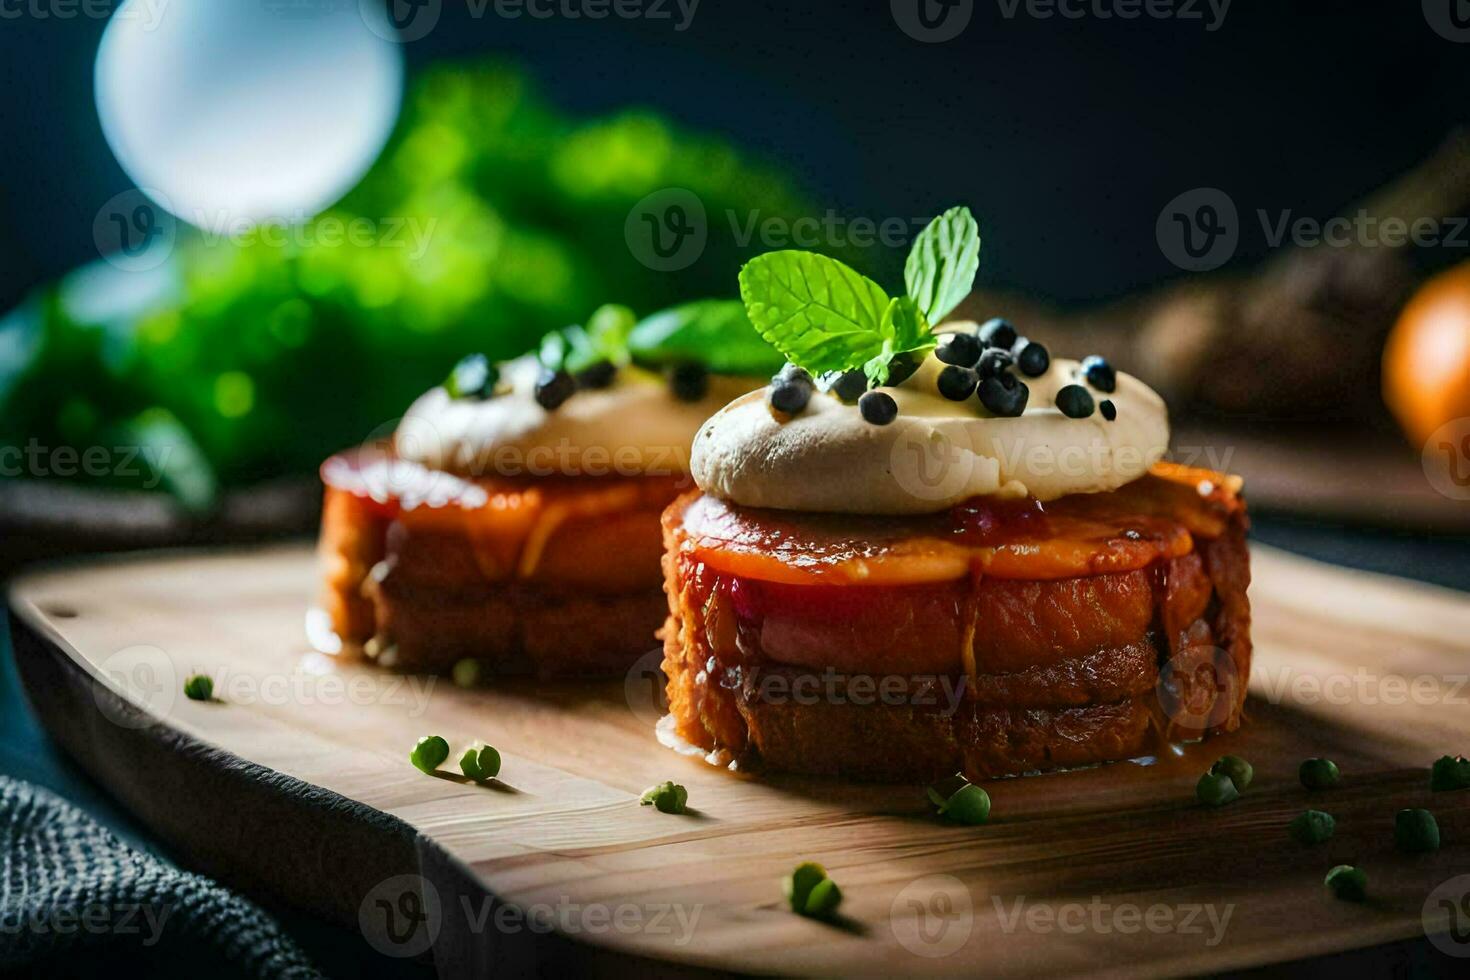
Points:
x=297, y=782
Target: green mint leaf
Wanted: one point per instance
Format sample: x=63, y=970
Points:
x=577, y=348
x=940, y=270
x=713, y=332
x=821, y=314
x=904, y=331
x=607, y=331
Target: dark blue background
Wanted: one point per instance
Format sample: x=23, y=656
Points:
x=1065, y=136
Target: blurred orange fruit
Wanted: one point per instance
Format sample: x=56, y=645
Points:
x=1426, y=362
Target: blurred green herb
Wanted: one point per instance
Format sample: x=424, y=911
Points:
x=491, y=218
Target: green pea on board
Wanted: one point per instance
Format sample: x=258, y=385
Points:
x=428, y=753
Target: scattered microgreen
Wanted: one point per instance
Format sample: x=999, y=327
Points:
x=666, y=797
x=1449, y=773
x=811, y=891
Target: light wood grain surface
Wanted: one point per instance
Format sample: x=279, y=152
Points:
x=1113, y=870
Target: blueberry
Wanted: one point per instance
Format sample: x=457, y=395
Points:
x=1075, y=402
x=998, y=333
x=961, y=349
x=994, y=362
x=1031, y=358
x=957, y=383
x=473, y=377
x=689, y=381
x=1003, y=395
x=848, y=386
x=789, y=397
x=553, y=388
x=1099, y=373
x=878, y=407
x=902, y=367
x=599, y=375
x=1108, y=409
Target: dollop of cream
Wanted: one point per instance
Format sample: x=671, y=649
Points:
x=936, y=454
x=633, y=427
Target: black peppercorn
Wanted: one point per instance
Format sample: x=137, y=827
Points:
x=1003, y=395
x=959, y=349
x=689, y=381
x=848, y=386
x=957, y=383
x=1032, y=359
x=1099, y=373
x=998, y=333
x=902, y=367
x=553, y=388
x=994, y=362
x=878, y=407
x=1075, y=402
x=598, y=375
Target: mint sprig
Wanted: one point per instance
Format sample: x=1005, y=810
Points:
x=713, y=332
x=942, y=263
x=825, y=316
x=577, y=348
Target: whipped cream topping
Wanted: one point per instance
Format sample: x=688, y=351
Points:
x=937, y=452
x=633, y=427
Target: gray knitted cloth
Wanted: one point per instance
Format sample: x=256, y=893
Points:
x=77, y=901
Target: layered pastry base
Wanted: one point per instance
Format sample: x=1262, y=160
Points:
x=509, y=529
x=996, y=637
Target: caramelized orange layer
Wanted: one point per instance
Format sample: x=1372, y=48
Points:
x=1150, y=519
x=565, y=531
